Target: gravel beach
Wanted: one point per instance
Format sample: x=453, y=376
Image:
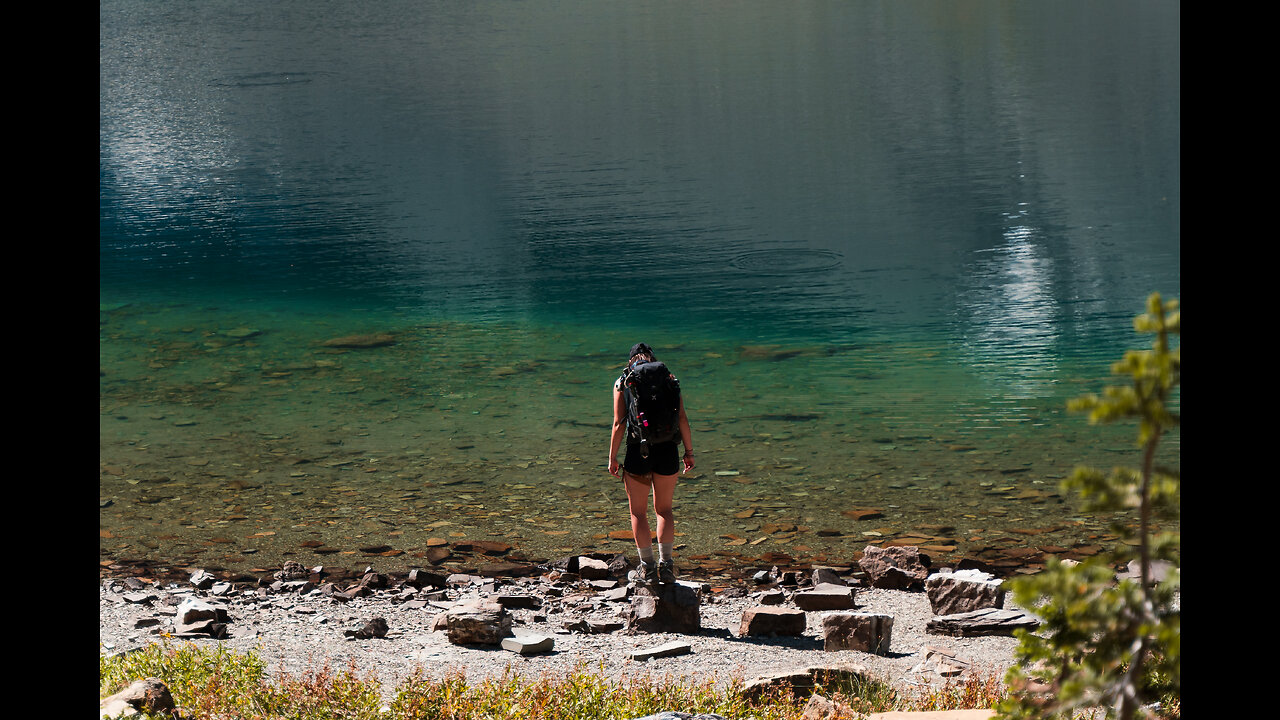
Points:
x=299, y=633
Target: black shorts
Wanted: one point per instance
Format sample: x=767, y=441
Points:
x=664, y=459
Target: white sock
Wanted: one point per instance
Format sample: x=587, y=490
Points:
x=646, y=555
x=664, y=551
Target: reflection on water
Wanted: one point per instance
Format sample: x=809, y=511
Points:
x=1012, y=315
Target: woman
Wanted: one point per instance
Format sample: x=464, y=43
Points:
x=649, y=466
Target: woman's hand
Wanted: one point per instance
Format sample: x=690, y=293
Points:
x=688, y=462
x=614, y=467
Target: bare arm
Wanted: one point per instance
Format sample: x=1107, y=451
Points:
x=615, y=436
x=686, y=436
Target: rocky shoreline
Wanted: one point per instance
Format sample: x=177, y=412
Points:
x=880, y=619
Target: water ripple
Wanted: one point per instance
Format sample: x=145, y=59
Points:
x=786, y=262
x=263, y=79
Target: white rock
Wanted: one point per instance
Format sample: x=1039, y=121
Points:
x=528, y=644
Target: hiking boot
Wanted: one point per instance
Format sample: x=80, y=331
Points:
x=666, y=572
x=645, y=573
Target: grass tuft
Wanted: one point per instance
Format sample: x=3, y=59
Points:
x=217, y=684
x=972, y=691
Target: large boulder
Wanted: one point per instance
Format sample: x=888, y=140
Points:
x=897, y=567
x=771, y=620
x=940, y=663
x=618, y=565
x=478, y=623
x=375, y=628
x=202, y=579
x=864, y=632
x=825, y=597
x=1160, y=570
x=590, y=568
x=666, y=607
x=420, y=578
x=800, y=682
x=292, y=570
x=147, y=695
x=198, y=617
x=963, y=591
x=821, y=708
x=825, y=576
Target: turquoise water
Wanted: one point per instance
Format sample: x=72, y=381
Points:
x=881, y=244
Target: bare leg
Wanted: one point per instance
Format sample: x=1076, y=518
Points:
x=664, y=488
x=638, y=502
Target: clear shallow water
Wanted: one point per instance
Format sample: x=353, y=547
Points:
x=881, y=245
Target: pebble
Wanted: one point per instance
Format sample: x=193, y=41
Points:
x=311, y=632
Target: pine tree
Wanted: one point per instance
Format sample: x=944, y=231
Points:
x=1108, y=643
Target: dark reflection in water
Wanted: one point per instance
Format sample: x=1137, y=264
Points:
x=883, y=243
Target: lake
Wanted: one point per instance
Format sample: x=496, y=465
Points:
x=368, y=272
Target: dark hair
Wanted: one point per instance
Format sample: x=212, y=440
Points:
x=641, y=349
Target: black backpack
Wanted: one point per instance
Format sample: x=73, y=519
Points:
x=652, y=397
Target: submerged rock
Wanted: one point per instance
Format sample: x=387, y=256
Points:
x=291, y=571
x=361, y=341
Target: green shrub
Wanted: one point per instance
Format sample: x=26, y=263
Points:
x=1108, y=644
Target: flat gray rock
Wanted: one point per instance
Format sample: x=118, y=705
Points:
x=529, y=644
x=827, y=597
x=670, y=649
x=604, y=626
x=990, y=621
